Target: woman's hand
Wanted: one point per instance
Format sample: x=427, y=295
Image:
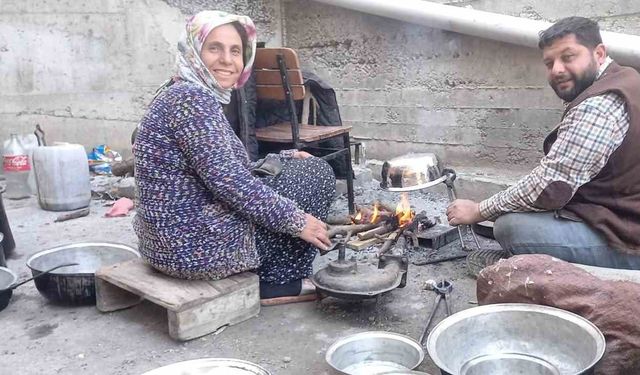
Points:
x=315, y=233
x=301, y=155
x=464, y=211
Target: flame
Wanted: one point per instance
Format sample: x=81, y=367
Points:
x=357, y=218
x=403, y=210
x=375, y=214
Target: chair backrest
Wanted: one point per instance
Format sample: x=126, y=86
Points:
x=269, y=83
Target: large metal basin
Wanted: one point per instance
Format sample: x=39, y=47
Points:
x=374, y=352
x=515, y=338
x=75, y=285
x=210, y=366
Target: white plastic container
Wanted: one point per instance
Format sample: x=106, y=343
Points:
x=62, y=177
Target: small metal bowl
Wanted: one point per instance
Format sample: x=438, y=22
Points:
x=210, y=366
x=411, y=172
x=515, y=338
x=75, y=285
x=373, y=353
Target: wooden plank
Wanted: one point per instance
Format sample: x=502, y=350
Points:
x=266, y=58
x=362, y=244
x=206, y=318
x=281, y=133
x=171, y=293
x=276, y=92
x=273, y=77
x=111, y=298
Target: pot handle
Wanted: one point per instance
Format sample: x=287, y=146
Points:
x=42, y=274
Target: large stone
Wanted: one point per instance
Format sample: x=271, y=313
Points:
x=613, y=306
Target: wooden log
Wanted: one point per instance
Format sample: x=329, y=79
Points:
x=344, y=229
x=387, y=207
x=339, y=220
x=72, y=215
x=366, y=215
x=371, y=233
x=362, y=244
x=390, y=242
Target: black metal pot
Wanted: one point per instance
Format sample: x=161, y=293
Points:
x=8, y=244
x=3, y=259
x=8, y=282
x=76, y=285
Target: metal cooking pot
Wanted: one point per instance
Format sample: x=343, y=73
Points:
x=411, y=172
x=374, y=353
x=8, y=282
x=204, y=366
x=420, y=171
x=515, y=338
x=76, y=285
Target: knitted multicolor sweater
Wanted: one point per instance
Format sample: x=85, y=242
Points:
x=197, y=200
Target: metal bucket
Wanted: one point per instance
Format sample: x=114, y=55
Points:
x=374, y=353
x=210, y=366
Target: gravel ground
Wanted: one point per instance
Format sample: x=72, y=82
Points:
x=42, y=338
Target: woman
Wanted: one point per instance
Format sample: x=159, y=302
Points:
x=201, y=214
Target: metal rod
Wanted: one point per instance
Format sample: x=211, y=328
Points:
x=295, y=135
x=430, y=318
x=439, y=260
x=625, y=48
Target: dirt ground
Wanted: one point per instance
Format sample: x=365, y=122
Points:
x=42, y=338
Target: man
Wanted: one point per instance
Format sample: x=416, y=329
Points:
x=582, y=203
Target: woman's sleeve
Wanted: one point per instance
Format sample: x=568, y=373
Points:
x=199, y=130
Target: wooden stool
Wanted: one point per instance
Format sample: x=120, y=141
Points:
x=194, y=307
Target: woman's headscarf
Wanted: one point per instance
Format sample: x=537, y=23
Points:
x=189, y=65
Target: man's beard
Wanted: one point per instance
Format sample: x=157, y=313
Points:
x=580, y=83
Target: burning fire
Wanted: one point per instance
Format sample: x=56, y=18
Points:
x=403, y=211
x=376, y=213
x=368, y=216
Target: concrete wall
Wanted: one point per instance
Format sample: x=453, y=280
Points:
x=406, y=87
x=85, y=69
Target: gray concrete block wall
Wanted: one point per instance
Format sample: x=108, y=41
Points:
x=85, y=70
x=409, y=88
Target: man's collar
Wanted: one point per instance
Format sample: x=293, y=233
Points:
x=604, y=66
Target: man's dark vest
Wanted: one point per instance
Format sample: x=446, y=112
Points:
x=610, y=202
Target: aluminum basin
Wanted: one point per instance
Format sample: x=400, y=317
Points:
x=210, y=366
x=374, y=352
x=515, y=339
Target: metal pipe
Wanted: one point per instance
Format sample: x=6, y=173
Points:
x=624, y=48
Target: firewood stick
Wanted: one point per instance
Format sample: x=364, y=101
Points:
x=388, y=244
x=338, y=220
x=387, y=207
x=72, y=215
x=343, y=229
x=365, y=235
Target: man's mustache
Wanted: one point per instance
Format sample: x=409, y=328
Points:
x=561, y=79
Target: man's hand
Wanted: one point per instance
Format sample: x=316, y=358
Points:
x=301, y=155
x=315, y=233
x=464, y=211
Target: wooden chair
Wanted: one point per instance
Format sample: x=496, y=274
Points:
x=278, y=77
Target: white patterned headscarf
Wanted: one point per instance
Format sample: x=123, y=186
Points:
x=189, y=64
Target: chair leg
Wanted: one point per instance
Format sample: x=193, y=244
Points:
x=350, y=198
